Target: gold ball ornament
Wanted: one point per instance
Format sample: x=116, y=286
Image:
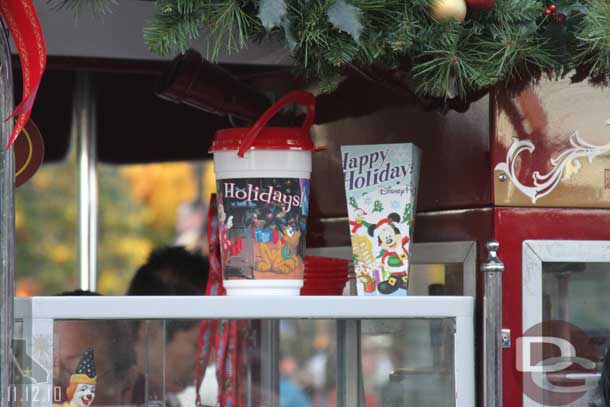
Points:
x=447, y=10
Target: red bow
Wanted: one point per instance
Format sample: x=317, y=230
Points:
x=22, y=21
x=355, y=226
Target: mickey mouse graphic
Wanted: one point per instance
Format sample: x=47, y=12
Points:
x=394, y=254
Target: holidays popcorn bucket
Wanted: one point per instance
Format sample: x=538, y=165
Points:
x=262, y=177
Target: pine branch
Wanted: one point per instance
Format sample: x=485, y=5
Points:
x=341, y=52
x=403, y=31
x=515, y=48
x=450, y=67
x=312, y=30
x=97, y=7
x=513, y=41
x=173, y=28
x=594, y=37
x=230, y=25
x=511, y=12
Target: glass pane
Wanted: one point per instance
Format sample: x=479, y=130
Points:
x=308, y=350
x=576, y=292
x=408, y=362
x=437, y=279
x=45, y=231
x=140, y=207
x=155, y=362
x=146, y=206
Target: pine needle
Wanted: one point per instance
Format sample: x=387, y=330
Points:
x=97, y=7
x=594, y=37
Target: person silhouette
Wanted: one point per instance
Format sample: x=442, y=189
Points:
x=167, y=271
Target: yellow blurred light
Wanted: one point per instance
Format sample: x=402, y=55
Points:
x=60, y=253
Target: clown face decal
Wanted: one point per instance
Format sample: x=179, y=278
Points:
x=84, y=395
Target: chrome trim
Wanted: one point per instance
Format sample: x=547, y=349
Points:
x=84, y=130
x=350, y=384
x=492, y=328
x=270, y=363
x=7, y=216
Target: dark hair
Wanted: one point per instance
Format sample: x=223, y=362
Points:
x=120, y=341
x=79, y=293
x=171, y=271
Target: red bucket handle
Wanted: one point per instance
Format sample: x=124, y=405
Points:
x=298, y=97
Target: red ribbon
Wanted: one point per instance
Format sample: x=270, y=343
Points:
x=208, y=329
x=226, y=340
x=22, y=21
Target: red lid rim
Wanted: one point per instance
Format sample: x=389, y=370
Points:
x=269, y=138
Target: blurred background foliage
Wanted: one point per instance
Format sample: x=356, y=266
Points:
x=138, y=206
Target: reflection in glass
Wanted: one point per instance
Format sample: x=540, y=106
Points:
x=307, y=363
x=408, y=362
x=578, y=293
x=152, y=362
x=114, y=357
x=437, y=279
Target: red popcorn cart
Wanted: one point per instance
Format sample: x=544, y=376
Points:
x=499, y=295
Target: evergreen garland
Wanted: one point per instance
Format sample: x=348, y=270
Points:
x=512, y=41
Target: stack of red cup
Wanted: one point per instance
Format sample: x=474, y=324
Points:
x=324, y=276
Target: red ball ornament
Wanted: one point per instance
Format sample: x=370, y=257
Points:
x=553, y=7
x=548, y=12
x=480, y=4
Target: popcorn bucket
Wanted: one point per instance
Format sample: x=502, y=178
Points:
x=262, y=177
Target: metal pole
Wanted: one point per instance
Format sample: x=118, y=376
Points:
x=270, y=352
x=349, y=378
x=492, y=269
x=84, y=130
x=7, y=217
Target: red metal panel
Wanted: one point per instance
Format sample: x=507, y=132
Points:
x=512, y=227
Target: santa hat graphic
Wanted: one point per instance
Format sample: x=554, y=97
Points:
x=390, y=220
